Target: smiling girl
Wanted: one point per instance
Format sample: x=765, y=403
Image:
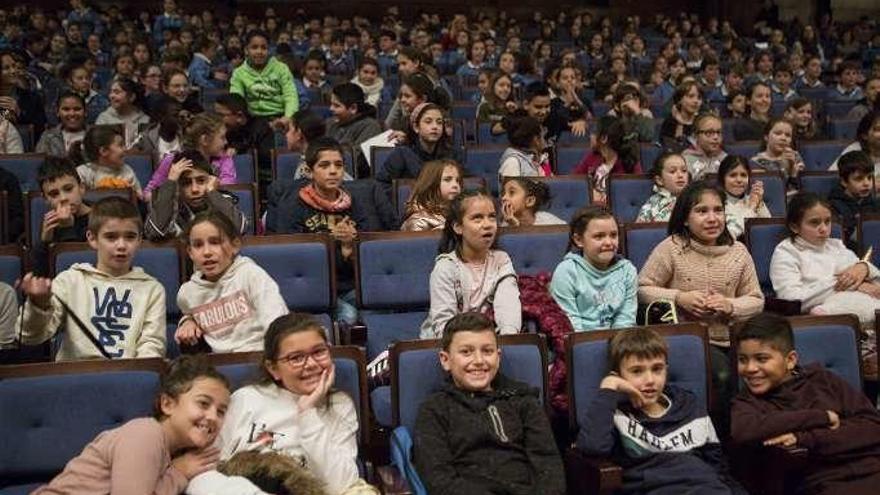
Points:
x=670, y=175
x=426, y=141
x=125, y=108
x=779, y=153
x=743, y=198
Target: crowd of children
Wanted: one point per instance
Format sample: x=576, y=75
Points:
x=92, y=85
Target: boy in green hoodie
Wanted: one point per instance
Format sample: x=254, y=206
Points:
x=265, y=83
x=593, y=285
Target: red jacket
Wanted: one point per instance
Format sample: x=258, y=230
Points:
x=593, y=159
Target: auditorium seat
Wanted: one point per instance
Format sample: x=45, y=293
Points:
x=640, y=239
x=627, y=194
x=245, y=167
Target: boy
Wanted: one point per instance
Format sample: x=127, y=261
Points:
x=847, y=83
x=338, y=62
x=854, y=194
x=245, y=133
x=312, y=88
x=483, y=432
x=67, y=218
x=109, y=310
x=782, y=79
x=788, y=406
x=659, y=433
x=812, y=73
x=191, y=188
x=201, y=71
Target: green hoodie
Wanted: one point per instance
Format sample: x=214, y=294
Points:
x=268, y=92
x=596, y=299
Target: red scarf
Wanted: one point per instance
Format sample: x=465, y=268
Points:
x=310, y=196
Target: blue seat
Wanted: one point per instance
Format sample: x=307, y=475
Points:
x=774, y=192
x=568, y=194
x=535, y=249
x=39, y=431
x=27, y=136
x=843, y=129
x=142, y=164
x=627, y=194
x=248, y=202
x=485, y=135
x=869, y=232
x=816, y=94
x=10, y=264
x=284, y=164
x=838, y=109
x=24, y=167
x=393, y=271
x=568, y=157
x=831, y=341
x=819, y=183
x=484, y=162
x=245, y=168
x=378, y=155
x=35, y=208
x=525, y=360
x=746, y=149
x=648, y=154
x=640, y=239
x=819, y=155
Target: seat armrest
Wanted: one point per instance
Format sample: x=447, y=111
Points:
x=784, y=307
x=352, y=335
x=392, y=481
x=587, y=474
x=770, y=471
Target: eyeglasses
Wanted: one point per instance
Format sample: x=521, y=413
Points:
x=298, y=359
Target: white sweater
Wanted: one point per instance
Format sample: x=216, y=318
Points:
x=235, y=311
x=126, y=314
x=802, y=271
x=737, y=210
x=324, y=437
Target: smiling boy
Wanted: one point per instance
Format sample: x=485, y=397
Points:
x=786, y=405
x=483, y=433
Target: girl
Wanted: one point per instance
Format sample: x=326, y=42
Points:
x=72, y=128
x=670, y=175
x=124, y=66
x=867, y=140
x=741, y=201
x=207, y=135
x=751, y=128
x=305, y=126
x=102, y=153
x=705, y=155
x=79, y=80
x=593, y=284
x=176, y=86
x=779, y=153
x=567, y=83
x=415, y=89
x=159, y=454
x=614, y=150
x=354, y=121
x=823, y=274
x=125, y=108
x=799, y=112
x=522, y=203
x=525, y=156
x=426, y=141
x=470, y=273
x=266, y=83
x=151, y=77
x=439, y=182
x=476, y=60
x=628, y=104
x=368, y=79
x=497, y=104
x=229, y=300
x=294, y=410
x=677, y=129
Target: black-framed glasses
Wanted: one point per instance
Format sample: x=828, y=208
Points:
x=298, y=359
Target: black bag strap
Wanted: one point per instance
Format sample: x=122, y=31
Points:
x=82, y=327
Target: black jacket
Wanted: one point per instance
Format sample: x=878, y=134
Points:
x=848, y=210
x=405, y=162
x=255, y=134
x=496, y=442
x=15, y=205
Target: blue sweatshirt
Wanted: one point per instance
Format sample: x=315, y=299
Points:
x=673, y=454
x=596, y=299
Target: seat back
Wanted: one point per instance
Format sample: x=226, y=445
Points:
x=869, y=232
x=39, y=431
x=393, y=269
x=303, y=266
x=627, y=194
x=284, y=164
x=831, y=341
x=245, y=168
x=416, y=372
x=26, y=131
x=142, y=164
x=11, y=268
x=774, y=192
x=378, y=155
x=160, y=260
x=485, y=135
x=844, y=129
x=746, y=149
x=484, y=162
x=640, y=239
x=819, y=183
x=248, y=202
x=24, y=167
x=568, y=194
x=587, y=364
x=648, y=154
x=534, y=249
x=566, y=158
x=819, y=155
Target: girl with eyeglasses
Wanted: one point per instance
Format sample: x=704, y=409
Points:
x=705, y=155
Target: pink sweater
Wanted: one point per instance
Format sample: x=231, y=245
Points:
x=223, y=166
x=130, y=460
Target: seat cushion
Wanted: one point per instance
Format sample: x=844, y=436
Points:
x=380, y=400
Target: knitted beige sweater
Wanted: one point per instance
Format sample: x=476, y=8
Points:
x=676, y=266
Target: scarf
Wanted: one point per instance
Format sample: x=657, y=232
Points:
x=310, y=196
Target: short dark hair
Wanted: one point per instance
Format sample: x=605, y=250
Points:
x=641, y=342
x=522, y=130
x=316, y=147
x=113, y=207
x=852, y=162
x=234, y=102
x=768, y=328
x=466, y=322
x=54, y=168
x=535, y=90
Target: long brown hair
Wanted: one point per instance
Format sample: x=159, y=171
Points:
x=278, y=331
x=425, y=194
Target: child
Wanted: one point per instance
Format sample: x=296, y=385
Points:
x=779, y=154
x=125, y=109
x=266, y=83
x=159, y=454
x=782, y=80
x=614, y=150
x=752, y=126
x=103, y=151
x=847, y=88
x=525, y=156
x=853, y=195
x=677, y=129
x=670, y=175
x=736, y=105
x=593, y=284
x=312, y=83
x=293, y=410
x=741, y=201
x=640, y=420
x=368, y=79
x=823, y=274
x=867, y=140
x=523, y=201
x=480, y=414
x=245, y=133
x=497, y=104
x=68, y=217
x=470, y=273
x=354, y=121
x=71, y=113
x=79, y=81
x=706, y=154
x=229, y=300
x=799, y=111
x=788, y=406
x=110, y=310
x=439, y=182
x=415, y=89
x=205, y=134
x=191, y=188
x=476, y=60
x=426, y=141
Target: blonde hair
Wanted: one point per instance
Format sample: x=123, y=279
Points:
x=203, y=124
